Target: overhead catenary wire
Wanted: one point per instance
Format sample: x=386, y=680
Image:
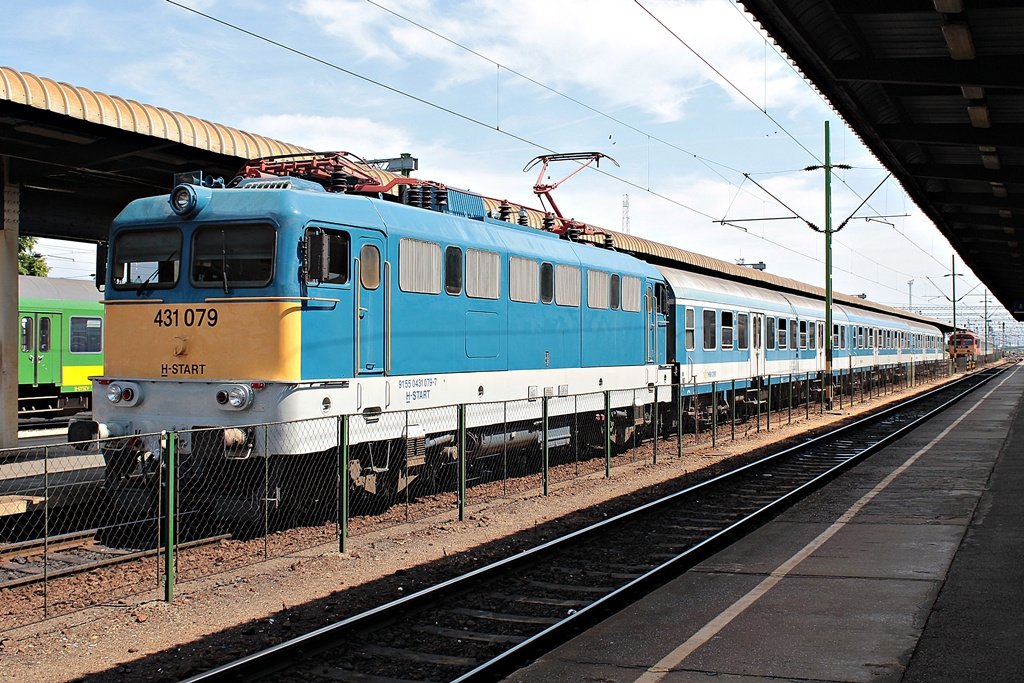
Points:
x=519, y=138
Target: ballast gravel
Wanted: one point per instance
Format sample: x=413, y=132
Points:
x=222, y=617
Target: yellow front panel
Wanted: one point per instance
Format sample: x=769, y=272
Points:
x=251, y=340
x=78, y=376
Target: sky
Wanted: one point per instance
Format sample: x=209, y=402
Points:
x=692, y=101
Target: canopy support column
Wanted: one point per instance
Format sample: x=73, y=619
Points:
x=9, y=310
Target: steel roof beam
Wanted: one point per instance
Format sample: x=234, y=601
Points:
x=967, y=172
x=1003, y=135
x=988, y=72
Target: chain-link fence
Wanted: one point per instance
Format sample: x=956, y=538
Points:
x=60, y=518
x=88, y=523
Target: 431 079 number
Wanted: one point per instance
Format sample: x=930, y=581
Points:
x=188, y=317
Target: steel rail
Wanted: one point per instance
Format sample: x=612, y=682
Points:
x=88, y=566
x=275, y=658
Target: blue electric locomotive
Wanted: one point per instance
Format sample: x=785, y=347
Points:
x=316, y=286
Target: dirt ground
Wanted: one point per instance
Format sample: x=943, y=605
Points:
x=222, y=617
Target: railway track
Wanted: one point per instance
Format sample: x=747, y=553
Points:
x=38, y=560
x=482, y=626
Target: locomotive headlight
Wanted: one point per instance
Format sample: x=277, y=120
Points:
x=124, y=394
x=188, y=200
x=183, y=199
x=238, y=397
x=233, y=396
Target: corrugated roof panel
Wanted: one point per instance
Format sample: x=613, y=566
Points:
x=31, y=287
x=96, y=107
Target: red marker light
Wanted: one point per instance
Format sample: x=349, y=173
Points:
x=222, y=397
x=127, y=394
x=258, y=385
x=104, y=382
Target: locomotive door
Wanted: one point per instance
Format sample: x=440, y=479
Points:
x=757, y=361
x=39, y=357
x=370, y=308
x=652, y=326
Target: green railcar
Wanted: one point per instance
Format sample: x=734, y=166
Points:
x=60, y=345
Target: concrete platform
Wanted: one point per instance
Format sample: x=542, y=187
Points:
x=909, y=568
x=53, y=475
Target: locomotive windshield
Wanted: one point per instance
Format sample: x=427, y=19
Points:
x=147, y=259
x=232, y=256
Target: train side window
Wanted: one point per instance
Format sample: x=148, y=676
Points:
x=690, y=334
x=598, y=289
x=26, y=334
x=453, y=270
x=661, y=293
x=792, y=334
x=369, y=267
x=483, y=274
x=821, y=335
x=709, y=328
x=630, y=293
x=547, y=283
x=44, y=335
x=327, y=258
x=835, y=336
x=782, y=333
x=86, y=335
x=742, y=333
x=419, y=266
x=523, y=280
x=769, y=336
x=614, y=291
x=811, y=336
x=727, y=330
x=803, y=334
x=567, y=285
x=146, y=257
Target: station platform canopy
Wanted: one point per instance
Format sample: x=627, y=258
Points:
x=935, y=90
x=79, y=156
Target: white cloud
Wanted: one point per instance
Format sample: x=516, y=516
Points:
x=611, y=49
x=362, y=136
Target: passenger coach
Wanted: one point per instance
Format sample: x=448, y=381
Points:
x=314, y=286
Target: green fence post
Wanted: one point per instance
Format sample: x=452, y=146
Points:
x=343, y=484
x=791, y=398
x=807, y=396
x=546, y=461
x=654, y=418
x=462, y=462
x=607, y=434
x=757, y=398
x=679, y=420
x=714, y=414
x=170, y=441
x=821, y=392
x=46, y=531
x=768, y=408
x=732, y=410
x=696, y=413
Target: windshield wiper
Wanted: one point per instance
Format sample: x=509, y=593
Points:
x=224, y=261
x=145, y=283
